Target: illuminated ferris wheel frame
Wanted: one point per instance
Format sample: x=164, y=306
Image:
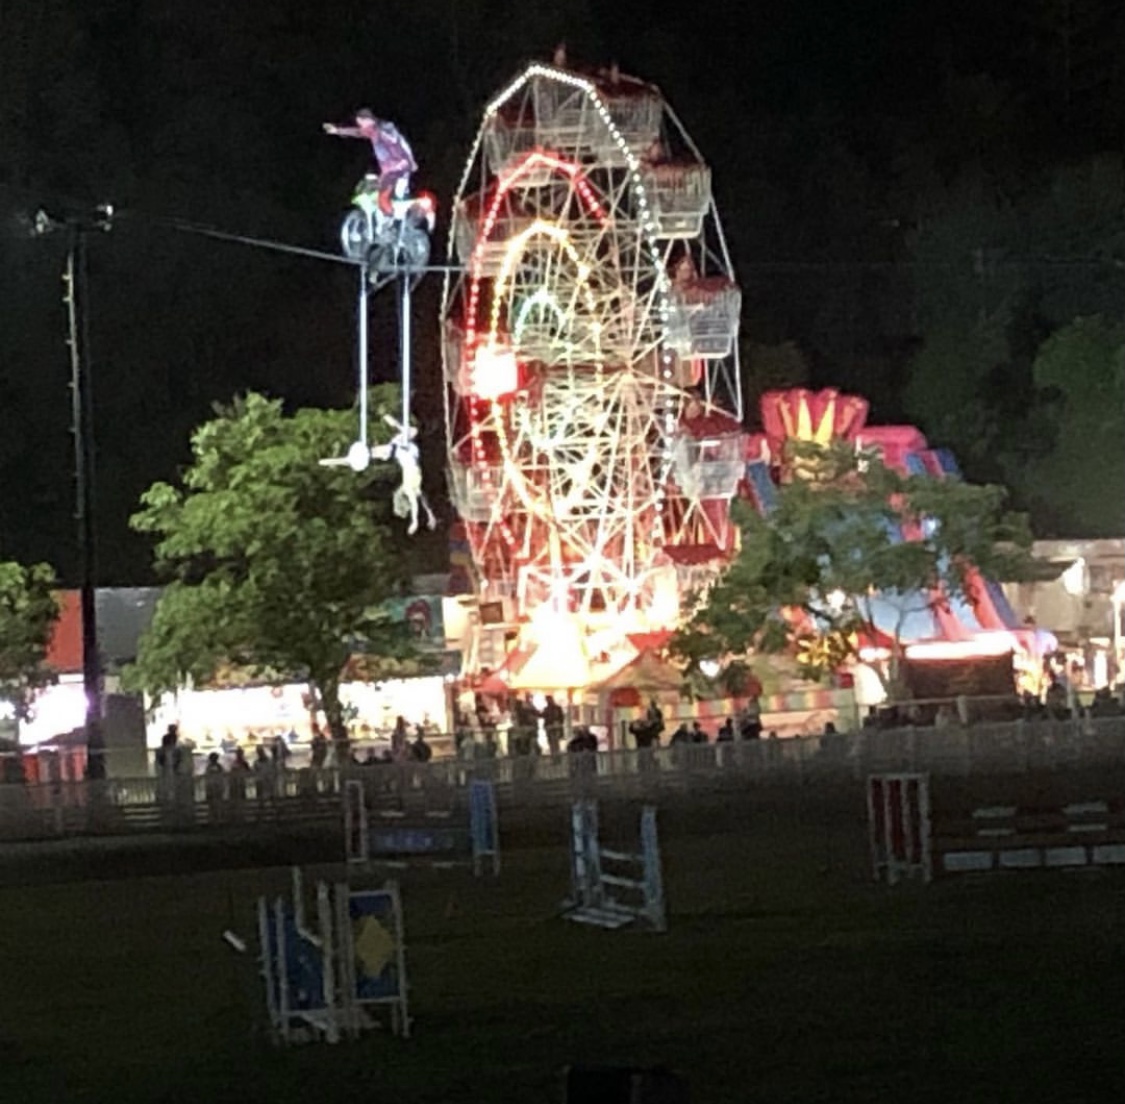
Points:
x=566, y=483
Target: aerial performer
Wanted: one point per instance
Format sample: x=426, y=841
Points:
x=391, y=150
x=403, y=449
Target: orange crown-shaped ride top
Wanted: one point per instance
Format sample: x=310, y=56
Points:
x=818, y=417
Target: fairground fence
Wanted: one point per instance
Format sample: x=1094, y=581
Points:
x=52, y=809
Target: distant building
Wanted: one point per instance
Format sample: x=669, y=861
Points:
x=1078, y=594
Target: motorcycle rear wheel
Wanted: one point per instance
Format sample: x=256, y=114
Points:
x=414, y=249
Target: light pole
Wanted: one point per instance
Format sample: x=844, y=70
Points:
x=82, y=426
x=1118, y=601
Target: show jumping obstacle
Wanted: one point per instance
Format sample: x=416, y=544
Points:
x=913, y=837
x=632, y=892
x=456, y=836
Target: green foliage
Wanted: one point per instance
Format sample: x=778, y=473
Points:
x=1080, y=488
x=28, y=612
x=998, y=271
x=274, y=561
x=806, y=573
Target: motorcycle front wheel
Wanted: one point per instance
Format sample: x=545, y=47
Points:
x=355, y=235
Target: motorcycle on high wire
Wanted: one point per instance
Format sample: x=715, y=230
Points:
x=391, y=243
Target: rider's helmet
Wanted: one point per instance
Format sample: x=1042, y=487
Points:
x=365, y=117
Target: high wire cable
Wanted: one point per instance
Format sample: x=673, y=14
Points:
x=186, y=226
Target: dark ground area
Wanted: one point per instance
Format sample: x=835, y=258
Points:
x=786, y=974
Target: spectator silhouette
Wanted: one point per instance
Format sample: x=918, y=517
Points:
x=399, y=736
x=681, y=736
x=554, y=721
x=318, y=749
x=420, y=751
x=214, y=785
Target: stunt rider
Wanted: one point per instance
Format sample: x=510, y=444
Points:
x=392, y=154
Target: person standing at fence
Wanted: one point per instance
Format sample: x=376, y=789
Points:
x=169, y=754
x=524, y=724
x=420, y=750
x=462, y=731
x=400, y=734
x=646, y=732
x=263, y=775
x=725, y=735
x=318, y=749
x=280, y=752
x=582, y=751
x=681, y=736
x=833, y=745
x=554, y=723
x=523, y=740
x=750, y=721
x=532, y=718
x=214, y=787
x=236, y=778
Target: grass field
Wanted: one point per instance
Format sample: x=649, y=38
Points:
x=785, y=976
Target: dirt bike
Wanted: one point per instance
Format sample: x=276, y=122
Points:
x=390, y=243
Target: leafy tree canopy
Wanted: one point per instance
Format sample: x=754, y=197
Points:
x=1080, y=487
x=28, y=612
x=1001, y=271
x=808, y=574
x=274, y=561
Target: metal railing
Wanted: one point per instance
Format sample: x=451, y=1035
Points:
x=173, y=802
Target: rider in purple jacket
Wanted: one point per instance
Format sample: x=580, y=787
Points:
x=392, y=153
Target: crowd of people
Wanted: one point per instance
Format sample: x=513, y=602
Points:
x=177, y=757
x=745, y=725
x=517, y=727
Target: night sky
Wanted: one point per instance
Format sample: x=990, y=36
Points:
x=917, y=197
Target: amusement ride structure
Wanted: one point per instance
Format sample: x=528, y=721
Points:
x=593, y=406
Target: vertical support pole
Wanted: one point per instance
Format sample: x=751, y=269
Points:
x=653, y=875
x=345, y=935
x=924, y=831
x=364, y=282
x=403, y=1006
x=890, y=827
x=585, y=861
x=297, y=880
x=404, y=348
x=357, y=845
x=875, y=831
x=282, y=975
x=577, y=857
x=593, y=858
x=484, y=833
x=328, y=964
x=268, y=962
x=82, y=425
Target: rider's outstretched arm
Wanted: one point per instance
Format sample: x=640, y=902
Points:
x=343, y=131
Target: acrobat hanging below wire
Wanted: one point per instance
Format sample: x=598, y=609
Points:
x=408, y=496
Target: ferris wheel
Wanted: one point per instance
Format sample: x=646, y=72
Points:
x=590, y=354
